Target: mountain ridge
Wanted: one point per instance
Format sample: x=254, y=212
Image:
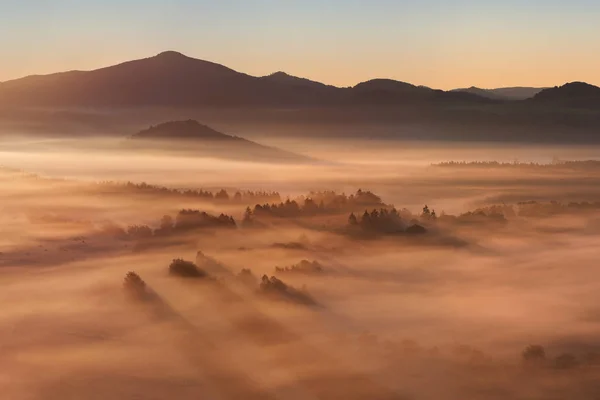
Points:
x=172, y=79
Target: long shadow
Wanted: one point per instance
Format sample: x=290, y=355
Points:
x=209, y=357
x=264, y=331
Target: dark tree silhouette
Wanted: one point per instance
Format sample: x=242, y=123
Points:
x=134, y=285
x=534, y=354
x=303, y=267
x=166, y=223
x=185, y=269
x=275, y=288
x=222, y=195
x=426, y=213
x=247, y=215
x=195, y=219
x=352, y=219
x=139, y=232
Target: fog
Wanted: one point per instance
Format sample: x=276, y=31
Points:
x=402, y=304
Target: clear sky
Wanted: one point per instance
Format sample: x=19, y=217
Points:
x=438, y=43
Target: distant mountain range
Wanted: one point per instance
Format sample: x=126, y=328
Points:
x=196, y=139
x=174, y=80
x=506, y=94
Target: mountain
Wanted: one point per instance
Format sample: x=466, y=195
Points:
x=184, y=130
x=169, y=79
x=574, y=94
x=175, y=80
x=196, y=139
x=388, y=91
x=504, y=94
x=281, y=77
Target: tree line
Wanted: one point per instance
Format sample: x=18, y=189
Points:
x=316, y=203
x=222, y=195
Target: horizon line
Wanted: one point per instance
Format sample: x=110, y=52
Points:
x=175, y=52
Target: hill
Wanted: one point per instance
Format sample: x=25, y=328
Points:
x=196, y=139
x=575, y=94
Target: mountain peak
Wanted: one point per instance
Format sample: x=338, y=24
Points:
x=280, y=74
x=171, y=54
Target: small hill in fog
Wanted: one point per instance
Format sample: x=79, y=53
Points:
x=195, y=138
x=187, y=130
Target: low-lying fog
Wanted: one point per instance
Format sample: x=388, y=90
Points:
x=384, y=313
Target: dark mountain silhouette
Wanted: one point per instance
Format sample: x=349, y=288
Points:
x=388, y=91
x=281, y=77
x=173, y=79
x=172, y=86
x=169, y=79
x=197, y=139
x=505, y=94
x=188, y=130
x=575, y=94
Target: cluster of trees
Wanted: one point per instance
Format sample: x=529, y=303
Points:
x=135, y=287
x=275, y=288
x=185, y=269
x=239, y=196
x=535, y=355
x=270, y=287
x=133, y=281
x=184, y=221
x=388, y=222
x=583, y=164
x=317, y=203
x=194, y=219
x=523, y=209
x=481, y=215
x=361, y=198
x=303, y=267
x=501, y=213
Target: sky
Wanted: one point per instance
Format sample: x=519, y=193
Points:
x=438, y=43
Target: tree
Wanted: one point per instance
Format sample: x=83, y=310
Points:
x=135, y=287
x=185, y=269
x=139, y=232
x=247, y=215
x=534, y=354
x=426, y=212
x=222, y=195
x=352, y=219
x=366, y=219
x=166, y=223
